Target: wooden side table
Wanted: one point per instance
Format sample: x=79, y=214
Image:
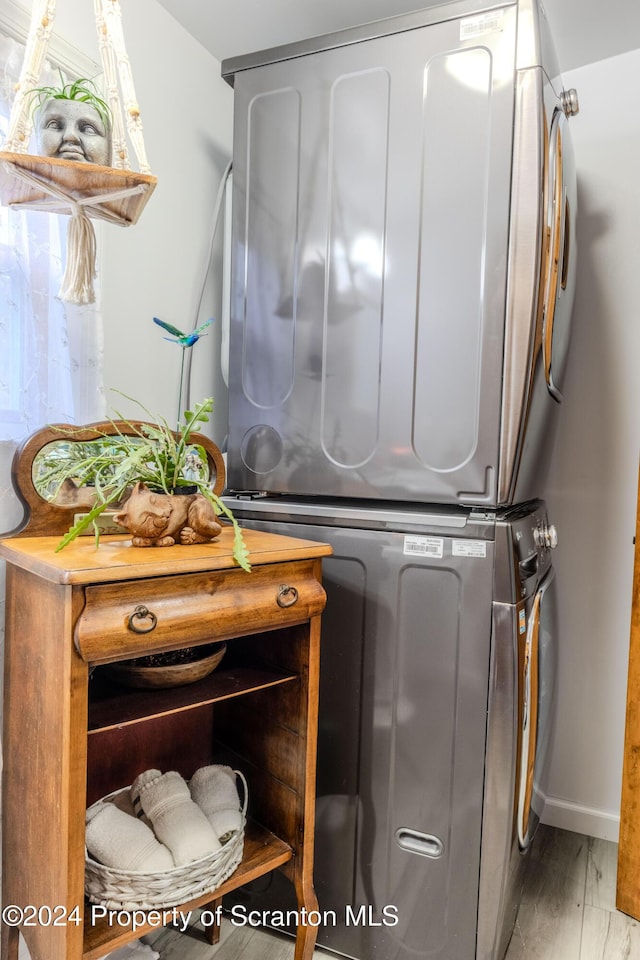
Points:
x=71, y=737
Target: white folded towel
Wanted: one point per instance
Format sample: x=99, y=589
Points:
x=176, y=820
x=146, y=777
x=118, y=840
x=215, y=791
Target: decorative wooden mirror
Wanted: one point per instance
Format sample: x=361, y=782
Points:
x=51, y=507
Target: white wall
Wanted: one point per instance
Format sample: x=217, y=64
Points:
x=594, y=478
x=156, y=267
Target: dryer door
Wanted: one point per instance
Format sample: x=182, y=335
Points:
x=537, y=676
x=560, y=279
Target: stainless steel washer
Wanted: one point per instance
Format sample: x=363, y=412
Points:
x=437, y=679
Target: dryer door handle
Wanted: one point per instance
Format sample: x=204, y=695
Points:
x=558, y=226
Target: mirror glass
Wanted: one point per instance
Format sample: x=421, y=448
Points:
x=70, y=472
x=67, y=472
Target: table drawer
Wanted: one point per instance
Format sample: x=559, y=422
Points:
x=135, y=618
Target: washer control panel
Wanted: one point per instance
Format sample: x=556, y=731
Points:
x=523, y=557
x=545, y=535
x=534, y=539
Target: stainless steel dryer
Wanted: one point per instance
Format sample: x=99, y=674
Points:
x=404, y=251
x=437, y=689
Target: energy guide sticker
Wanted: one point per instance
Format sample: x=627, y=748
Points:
x=469, y=548
x=424, y=546
x=472, y=27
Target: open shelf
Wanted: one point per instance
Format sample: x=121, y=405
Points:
x=263, y=852
x=112, y=705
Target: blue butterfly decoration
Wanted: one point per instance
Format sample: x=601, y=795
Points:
x=183, y=339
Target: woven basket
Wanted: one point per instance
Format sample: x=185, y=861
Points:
x=133, y=890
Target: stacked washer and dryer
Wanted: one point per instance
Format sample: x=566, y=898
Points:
x=403, y=267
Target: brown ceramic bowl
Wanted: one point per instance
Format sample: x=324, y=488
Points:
x=133, y=673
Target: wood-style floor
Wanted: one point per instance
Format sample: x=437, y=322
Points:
x=568, y=910
x=567, y=913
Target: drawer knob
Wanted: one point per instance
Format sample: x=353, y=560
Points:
x=142, y=620
x=287, y=595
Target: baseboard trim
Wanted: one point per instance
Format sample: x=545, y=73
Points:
x=581, y=819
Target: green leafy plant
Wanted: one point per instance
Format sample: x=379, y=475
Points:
x=82, y=89
x=152, y=453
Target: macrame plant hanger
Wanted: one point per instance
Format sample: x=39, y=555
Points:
x=82, y=190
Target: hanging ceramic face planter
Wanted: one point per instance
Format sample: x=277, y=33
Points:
x=73, y=130
x=82, y=166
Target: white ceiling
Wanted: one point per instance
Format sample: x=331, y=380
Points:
x=584, y=30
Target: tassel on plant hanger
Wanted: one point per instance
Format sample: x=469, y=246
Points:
x=77, y=283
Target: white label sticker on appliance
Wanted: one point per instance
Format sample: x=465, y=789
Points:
x=424, y=546
x=522, y=621
x=469, y=548
x=472, y=27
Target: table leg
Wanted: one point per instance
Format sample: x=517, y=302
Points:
x=212, y=930
x=307, y=933
x=9, y=940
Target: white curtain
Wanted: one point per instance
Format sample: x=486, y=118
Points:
x=50, y=352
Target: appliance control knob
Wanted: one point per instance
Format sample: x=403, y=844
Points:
x=546, y=536
x=569, y=101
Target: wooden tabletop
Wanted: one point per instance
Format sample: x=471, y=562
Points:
x=115, y=558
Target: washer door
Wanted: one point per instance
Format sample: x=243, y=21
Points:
x=537, y=677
